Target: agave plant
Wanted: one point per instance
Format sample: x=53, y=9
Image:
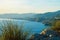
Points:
x=14, y=32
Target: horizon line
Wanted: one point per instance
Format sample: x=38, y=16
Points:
x=31, y=12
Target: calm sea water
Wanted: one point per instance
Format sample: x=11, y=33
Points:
x=33, y=27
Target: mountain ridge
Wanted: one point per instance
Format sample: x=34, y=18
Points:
x=32, y=16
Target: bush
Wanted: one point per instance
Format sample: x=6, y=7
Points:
x=56, y=26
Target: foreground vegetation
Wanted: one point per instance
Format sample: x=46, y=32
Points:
x=51, y=33
x=56, y=26
x=12, y=31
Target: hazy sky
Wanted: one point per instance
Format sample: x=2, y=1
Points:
x=28, y=6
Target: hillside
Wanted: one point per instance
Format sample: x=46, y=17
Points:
x=48, y=16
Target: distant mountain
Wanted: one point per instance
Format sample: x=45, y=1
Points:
x=48, y=16
x=16, y=16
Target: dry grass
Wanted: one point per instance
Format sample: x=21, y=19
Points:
x=12, y=31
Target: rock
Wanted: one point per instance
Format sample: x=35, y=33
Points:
x=49, y=35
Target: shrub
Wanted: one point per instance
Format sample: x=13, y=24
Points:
x=56, y=26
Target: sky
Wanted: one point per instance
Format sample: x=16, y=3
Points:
x=28, y=6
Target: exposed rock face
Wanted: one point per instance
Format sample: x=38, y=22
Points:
x=49, y=35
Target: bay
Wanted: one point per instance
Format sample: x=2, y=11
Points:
x=33, y=27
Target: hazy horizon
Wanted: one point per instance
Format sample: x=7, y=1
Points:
x=28, y=6
x=31, y=13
